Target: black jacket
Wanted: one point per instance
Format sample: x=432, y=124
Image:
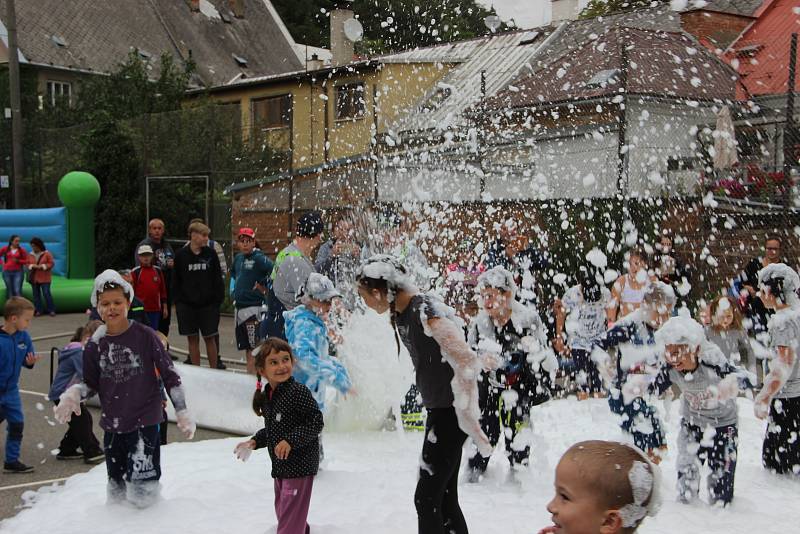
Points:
x=291, y=414
x=197, y=278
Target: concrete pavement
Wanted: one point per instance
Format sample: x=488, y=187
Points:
x=42, y=434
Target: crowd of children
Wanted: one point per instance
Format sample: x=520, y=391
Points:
x=478, y=380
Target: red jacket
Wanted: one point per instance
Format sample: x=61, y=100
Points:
x=42, y=276
x=13, y=260
x=149, y=285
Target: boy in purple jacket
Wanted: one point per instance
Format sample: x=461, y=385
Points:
x=121, y=363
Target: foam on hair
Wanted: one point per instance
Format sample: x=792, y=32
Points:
x=622, y=477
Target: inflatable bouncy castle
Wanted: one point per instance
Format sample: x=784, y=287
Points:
x=68, y=233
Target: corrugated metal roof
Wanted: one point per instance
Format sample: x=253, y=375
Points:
x=501, y=57
x=444, y=53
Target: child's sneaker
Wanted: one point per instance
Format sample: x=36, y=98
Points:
x=16, y=467
x=69, y=455
x=94, y=458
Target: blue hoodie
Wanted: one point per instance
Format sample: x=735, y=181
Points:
x=13, y=349
x=70, y=370
x=308, y=336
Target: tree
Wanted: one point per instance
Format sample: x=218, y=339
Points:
x=388, y=24
x=597, y=8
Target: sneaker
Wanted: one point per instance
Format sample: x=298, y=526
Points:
x=221, y=365
x=52, y=314
x=188, y=361
x=474, y=476
x=37, y=314
x=94, y=458
x=69, y=455
x=16, y=467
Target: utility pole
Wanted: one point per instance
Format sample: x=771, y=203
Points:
x=789, y=132
x=16, y=105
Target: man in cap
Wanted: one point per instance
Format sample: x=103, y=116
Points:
x=290, y=271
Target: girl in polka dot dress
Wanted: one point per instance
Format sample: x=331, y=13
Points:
x=292, y=425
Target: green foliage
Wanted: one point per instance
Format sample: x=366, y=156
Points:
x=597, y=8
x=388, y=24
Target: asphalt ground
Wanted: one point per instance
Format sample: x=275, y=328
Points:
x=42, y=434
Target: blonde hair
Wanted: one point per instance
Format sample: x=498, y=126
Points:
x=198, y=227
x=606, y=467
x=16, y=306
x=736, y=324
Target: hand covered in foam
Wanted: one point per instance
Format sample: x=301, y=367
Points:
x=186, y=423
x=635, y=386
x=68, y=403
x=244, y=449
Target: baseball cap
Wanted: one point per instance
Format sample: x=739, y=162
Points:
x=318, y=287
x=310, y=224
x=145, y=249
x=249, y=232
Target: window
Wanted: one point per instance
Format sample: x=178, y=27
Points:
x=272, y=112
x=59, y=93
x=350, y=103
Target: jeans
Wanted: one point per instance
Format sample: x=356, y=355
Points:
x=13, y=281
x=41, y=292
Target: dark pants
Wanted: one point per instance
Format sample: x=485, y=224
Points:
x=153, y=319
x=164, y=322
x=638, y=419
x=436, y=497
x=11, y=411
x=13, y=281
x=720, y=455
x=781, y=449
x=498, y=410
x=80, y=433
x=41, y=293
x=133, y=463
x=588, y=377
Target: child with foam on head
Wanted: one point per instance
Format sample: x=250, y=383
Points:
x=16, y=351
x=637, y=356
x=709, y=416
x=307, y=334
x=292, y=425
x=80, y=434
x=446, y=371
x=512, y=333
x=122, y=363
x=603, y=487
x=779, y=399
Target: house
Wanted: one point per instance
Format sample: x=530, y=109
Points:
x=61, y=42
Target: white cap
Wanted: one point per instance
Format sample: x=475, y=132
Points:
x=110, y=277
x=318, y=287
x=145, y=249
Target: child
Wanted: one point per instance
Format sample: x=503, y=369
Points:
x=150, y=286
x=709, y=416
x=726, y=332
x=446, y=373
x=119, y=364
x=603, y=487
x=251, y=270
x=780, y=397
x=308, y=337
x=633, y=336
x=16, y=350
x=80, y=434
x=583, y=311
x=292, y=425
x=512, y=333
